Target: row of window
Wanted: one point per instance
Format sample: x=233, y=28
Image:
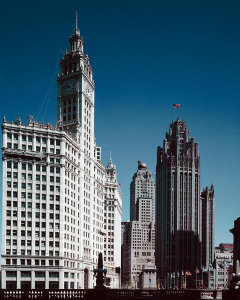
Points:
x=14, y=194
x=30, y=148
x=37, y=224
x=36, y=253
x=29, y=138
x=39, y=168
x=29, y=215
x=30, y=243
x=28, y=274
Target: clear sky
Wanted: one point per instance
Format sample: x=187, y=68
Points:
x=146, y=55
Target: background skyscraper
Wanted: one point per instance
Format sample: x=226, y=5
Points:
x=139, y=233
x=208, y=226
x=142, y=185
x=178, y=209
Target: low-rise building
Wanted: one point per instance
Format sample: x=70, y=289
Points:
x=223, y=260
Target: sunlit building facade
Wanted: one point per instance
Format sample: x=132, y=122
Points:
x=54, y=188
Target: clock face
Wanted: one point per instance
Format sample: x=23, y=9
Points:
x=69, y=87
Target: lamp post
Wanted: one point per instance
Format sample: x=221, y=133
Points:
x=100, y=273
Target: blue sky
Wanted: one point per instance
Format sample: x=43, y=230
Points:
x=146, y=55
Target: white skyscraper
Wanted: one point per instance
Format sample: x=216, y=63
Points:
x=112, y=225
x=139, y=234
x=54, y=189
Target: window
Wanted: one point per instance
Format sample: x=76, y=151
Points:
x=53, y=274
x=11, y=274
x=39, y=274
x=15, y=184
x=25, y=274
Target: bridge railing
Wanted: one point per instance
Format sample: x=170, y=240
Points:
x=116, y=294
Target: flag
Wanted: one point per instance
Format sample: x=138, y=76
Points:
x=120, y=184
x=197, y=271
x=176, y=106
x=59, y=121
x=188, y=273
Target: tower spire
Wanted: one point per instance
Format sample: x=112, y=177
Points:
x=76, y=19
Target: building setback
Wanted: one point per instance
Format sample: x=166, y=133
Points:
x=54, y=188
x=139, y=234
x=178, y=206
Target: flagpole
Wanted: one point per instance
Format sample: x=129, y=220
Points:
x=196, y=279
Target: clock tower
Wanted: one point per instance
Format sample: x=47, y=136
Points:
x=75, y=92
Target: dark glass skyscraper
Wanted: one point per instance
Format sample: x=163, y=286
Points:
x=178, y=206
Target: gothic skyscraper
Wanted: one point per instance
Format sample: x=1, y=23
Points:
x=178, y=209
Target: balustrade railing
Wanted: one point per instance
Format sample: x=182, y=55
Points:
x=116, y=294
